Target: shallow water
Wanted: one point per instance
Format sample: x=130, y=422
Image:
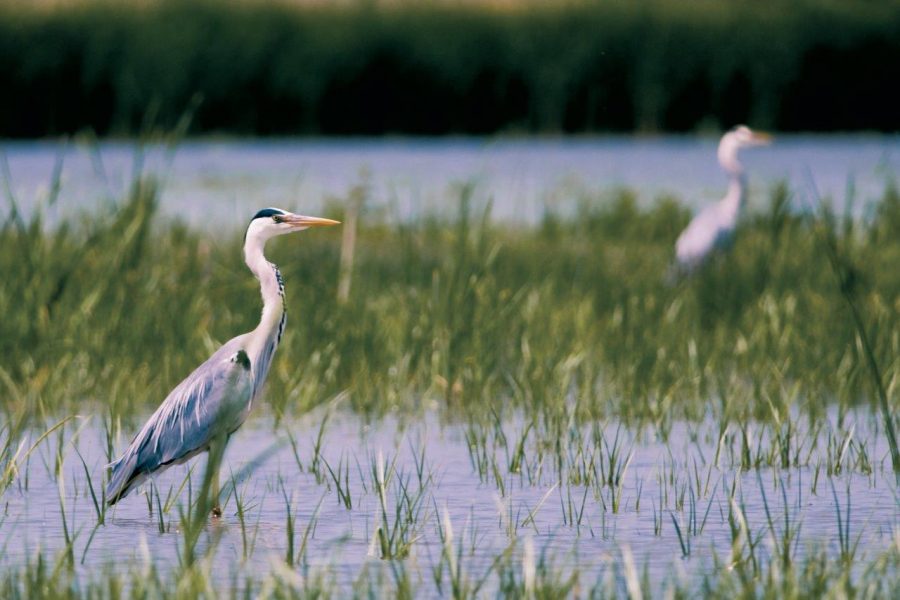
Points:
x=341, y=540
x=222, y=182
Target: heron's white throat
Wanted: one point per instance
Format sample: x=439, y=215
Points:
x=263, y=340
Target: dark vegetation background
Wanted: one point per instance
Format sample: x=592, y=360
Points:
x=274, y=69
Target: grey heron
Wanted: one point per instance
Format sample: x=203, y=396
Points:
x=713, y=227
x=214, y=400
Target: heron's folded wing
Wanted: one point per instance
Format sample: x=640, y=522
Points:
x=699, y=237
x=193, y=413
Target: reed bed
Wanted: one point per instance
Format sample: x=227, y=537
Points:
x=110, y=310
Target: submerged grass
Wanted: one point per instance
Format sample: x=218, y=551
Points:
x=517, y=571
x=413, y=550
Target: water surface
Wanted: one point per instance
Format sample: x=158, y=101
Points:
x=659, y=487
x=215, y=182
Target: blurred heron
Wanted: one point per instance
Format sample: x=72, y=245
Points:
x=713, y=227
x=214, y=400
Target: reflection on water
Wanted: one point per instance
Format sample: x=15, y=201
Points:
x=577, y=525
x=212, y=182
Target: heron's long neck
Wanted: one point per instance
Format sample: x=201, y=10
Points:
x=264, y=339
x=737, y=182
x=734, y=199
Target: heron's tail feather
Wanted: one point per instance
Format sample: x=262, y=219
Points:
x=122, y=478
x=114, y=463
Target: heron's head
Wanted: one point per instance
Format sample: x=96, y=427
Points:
x=737, y=138
x=271, y=222
x=745, y=137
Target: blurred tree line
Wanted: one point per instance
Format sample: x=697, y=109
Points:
x=368, y=69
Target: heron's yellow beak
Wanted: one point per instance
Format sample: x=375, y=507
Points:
x=762, y=138
x=304, y=221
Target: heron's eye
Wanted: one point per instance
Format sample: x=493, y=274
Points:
x=277, y=219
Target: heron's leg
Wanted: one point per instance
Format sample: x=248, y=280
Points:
x=214, y=491
x=216, y=450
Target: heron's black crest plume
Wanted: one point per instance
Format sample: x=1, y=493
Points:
x=267, y=212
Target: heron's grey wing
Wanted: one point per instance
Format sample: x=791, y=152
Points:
x=724, y=238
x=699, y=237
x=211, y=401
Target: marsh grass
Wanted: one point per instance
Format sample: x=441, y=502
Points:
x=571, y=320
x=845, y=276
